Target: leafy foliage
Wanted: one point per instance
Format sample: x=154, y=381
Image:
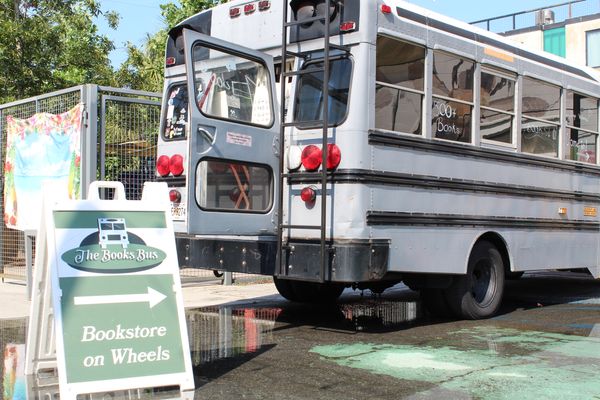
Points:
x=47, y=45
x=144, y=66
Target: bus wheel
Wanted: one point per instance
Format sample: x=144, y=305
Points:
x=478, y=293
x=513, y=276
x=284, y=287
x=308, y=292
x=435, y=303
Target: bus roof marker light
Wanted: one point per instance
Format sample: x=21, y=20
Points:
x=311, y=157
x=264, y=5
x=234, y=12
x=348, y=26
x=385, y=9
x=249, y=8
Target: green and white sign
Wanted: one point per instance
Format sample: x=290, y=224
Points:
x=117, y=295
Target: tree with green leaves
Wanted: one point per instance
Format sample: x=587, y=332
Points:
x=144, y=66
x=47, y=45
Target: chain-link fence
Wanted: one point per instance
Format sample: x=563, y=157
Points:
x=12, y=242
x=124, y=125
x=532, y=17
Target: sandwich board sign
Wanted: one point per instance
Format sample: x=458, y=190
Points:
x=116, y=293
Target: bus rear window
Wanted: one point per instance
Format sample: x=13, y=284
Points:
x=309, y=98
x=232, y=87
x=233, y=186
x=176, y=117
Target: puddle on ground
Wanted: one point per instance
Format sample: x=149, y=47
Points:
x=508, y=363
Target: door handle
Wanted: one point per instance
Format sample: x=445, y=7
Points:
x=210, y=137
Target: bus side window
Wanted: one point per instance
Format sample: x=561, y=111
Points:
x=540, y=121
x=399, y=86
x=452, y=105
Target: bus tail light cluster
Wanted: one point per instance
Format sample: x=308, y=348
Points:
x=166, y=165
x=312, y=157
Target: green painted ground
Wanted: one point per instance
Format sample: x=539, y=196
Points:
x=487, y=363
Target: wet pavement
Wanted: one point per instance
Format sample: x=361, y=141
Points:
x=545, y=343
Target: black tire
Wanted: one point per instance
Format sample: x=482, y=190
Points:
x=478, y=294
x=284, y=288
x=435, y=303
x=513, y=276
x=308, y=292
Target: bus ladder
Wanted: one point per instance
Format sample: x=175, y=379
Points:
x=325, y=250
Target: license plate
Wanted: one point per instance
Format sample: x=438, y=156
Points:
x=178, y=211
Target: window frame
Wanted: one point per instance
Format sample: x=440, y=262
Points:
x=305, y=126
x=447, y=99
x=244, y=56
x=569, y=127
x=587, y=48
x=515, y=79
x=523, y=116
x=199, y=179
x=165, y=106
x=422, y=93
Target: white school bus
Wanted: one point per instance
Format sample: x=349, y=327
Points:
x=363, y=143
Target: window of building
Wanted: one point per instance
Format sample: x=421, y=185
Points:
x=593, y=48
x=497, y=98
x=582, y=127
x=400, y=71
x=452, y=105
x=555, y=41
x=540, y=120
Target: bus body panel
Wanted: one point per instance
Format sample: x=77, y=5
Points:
x=400, y=203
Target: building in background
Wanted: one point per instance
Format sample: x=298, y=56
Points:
x=570, y=30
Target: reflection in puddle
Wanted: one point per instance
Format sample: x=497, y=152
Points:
x=224, y=332
x=381, y=314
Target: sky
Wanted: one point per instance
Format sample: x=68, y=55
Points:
x=138, y=18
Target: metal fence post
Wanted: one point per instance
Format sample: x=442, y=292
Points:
x=90, y=138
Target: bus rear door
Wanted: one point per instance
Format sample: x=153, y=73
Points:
x=233, y=138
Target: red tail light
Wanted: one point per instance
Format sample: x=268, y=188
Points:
x=162, y=165
x=176, y=165
x=334, y=156
x=348, y=26
x=311, y=157
x=386, y=9
x=308, y=194
x=170, y=61
x=174, y=196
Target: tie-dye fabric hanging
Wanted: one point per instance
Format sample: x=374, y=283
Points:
x=43, y=148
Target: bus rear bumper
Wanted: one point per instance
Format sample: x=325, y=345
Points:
x=347, y=260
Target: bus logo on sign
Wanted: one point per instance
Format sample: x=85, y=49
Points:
x=113, y=250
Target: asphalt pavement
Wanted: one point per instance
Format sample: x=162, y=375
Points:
x=14, y=302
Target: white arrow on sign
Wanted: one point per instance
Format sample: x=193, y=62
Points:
x=153, y=297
